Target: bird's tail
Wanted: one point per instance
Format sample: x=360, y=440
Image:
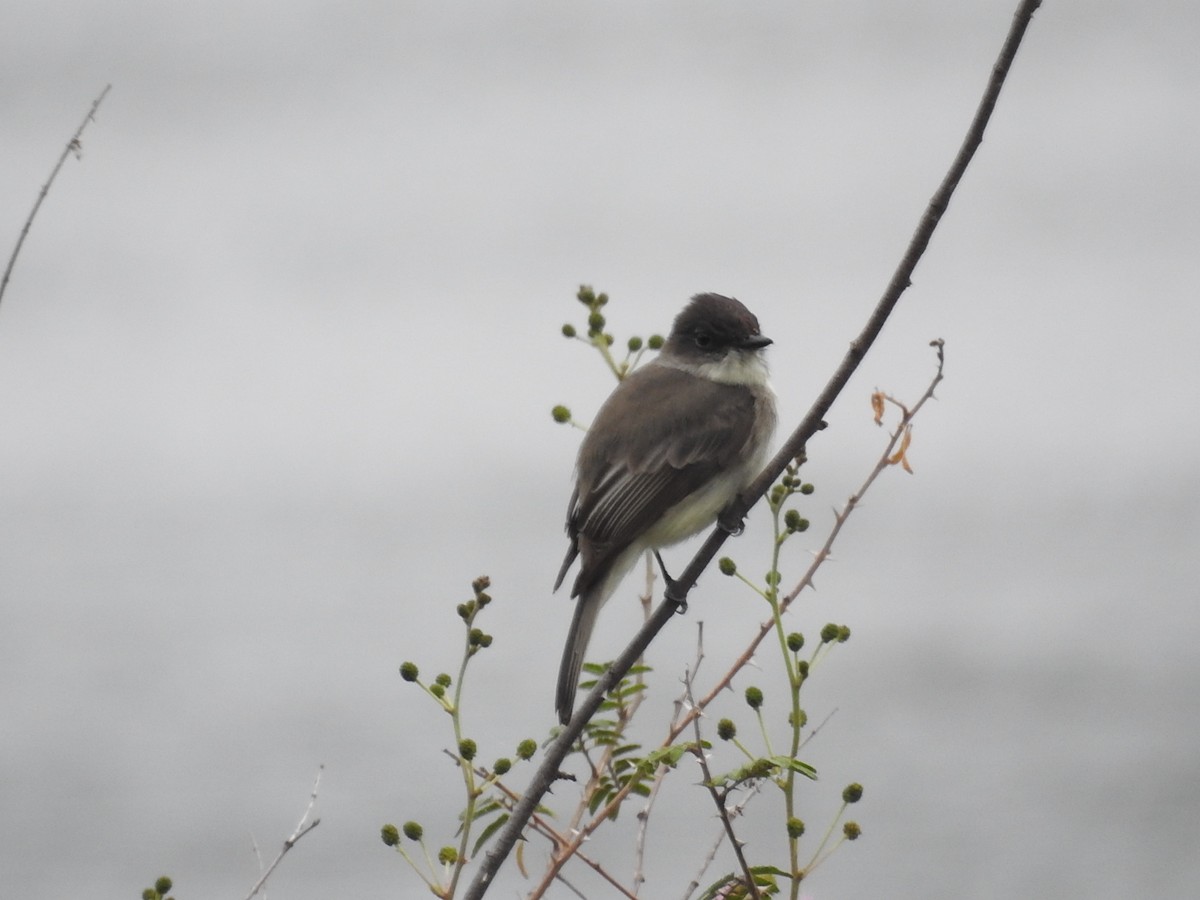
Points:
x=587, y=607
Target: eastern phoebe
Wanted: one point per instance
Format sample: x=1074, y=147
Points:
x=671, y=447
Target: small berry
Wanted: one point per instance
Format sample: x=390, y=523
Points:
x=795, y=827
x=466, y=749
x=413, y=831
x=754, y=697
x=526, y=749
x=390, y=835
x=726, y=730
x=409, y=671
x=727, y=566
x=561, y=414
x=447, y=856
x=852, y=793
x=795, y=641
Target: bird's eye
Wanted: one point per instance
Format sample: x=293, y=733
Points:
x=703, y=340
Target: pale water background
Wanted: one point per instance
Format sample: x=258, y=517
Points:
x=275, y=371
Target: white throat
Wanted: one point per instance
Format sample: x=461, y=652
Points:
x=742, y=367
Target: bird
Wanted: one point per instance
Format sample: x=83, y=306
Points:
x=671, y=448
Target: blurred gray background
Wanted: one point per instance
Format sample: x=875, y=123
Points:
x=276, y=366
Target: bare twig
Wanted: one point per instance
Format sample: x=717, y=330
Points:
x=73, y=146
x=303, y=827
x=643, y=816
x=736, y=811
x=719, y=801
x=794, y=447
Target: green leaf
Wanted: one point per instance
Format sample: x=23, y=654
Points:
x=795, y=765
x=491, y=829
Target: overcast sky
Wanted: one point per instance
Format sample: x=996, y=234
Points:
x=276, y=365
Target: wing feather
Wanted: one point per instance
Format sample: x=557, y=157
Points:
x=628, y=475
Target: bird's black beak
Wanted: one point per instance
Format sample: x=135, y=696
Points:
x=754, y=342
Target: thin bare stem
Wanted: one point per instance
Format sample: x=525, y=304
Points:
x=73, y=146
x=719, y=802
x=303, y=827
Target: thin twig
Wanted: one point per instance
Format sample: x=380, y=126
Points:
x=719, y=802
x=303, y=827
x=73, y=146
x=809, y=425
x=643, y=815
x=736, y=811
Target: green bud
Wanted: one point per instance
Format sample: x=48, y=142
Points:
x=802, y=668
x=585, y=294
x=602, y=299
x=795, y=827
x=727, y=566
x=801, y=715
x=481, y=583
x=437, y=690
x=149, y=894
x=444, y=680
x=447, y=856
x=609, y=340
x=852, y=793
x=830, y=633
x=635, y=344
x=795, y=641
x=466, y=749
x=475, y=637
x=773, y=578
x=754, y=697
x=526, y=749
x=726, y=730
x=596, y=323
x=390, y=835
x=561, y=414
x=843, y=634
x=568, y=330
x=806, y=489
x=655, y=342
x=851, y=831
x=465, y=610
x=792, y=520
x=409, y=671
x=502, y=765
x=163, y=884
x=413, y=831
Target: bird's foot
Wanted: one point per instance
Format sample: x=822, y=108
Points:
x=732, y=520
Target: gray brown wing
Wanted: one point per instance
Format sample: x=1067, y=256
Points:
x=629, y=474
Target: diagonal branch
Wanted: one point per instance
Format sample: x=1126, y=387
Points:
x=794, y=447
x=73, y=146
